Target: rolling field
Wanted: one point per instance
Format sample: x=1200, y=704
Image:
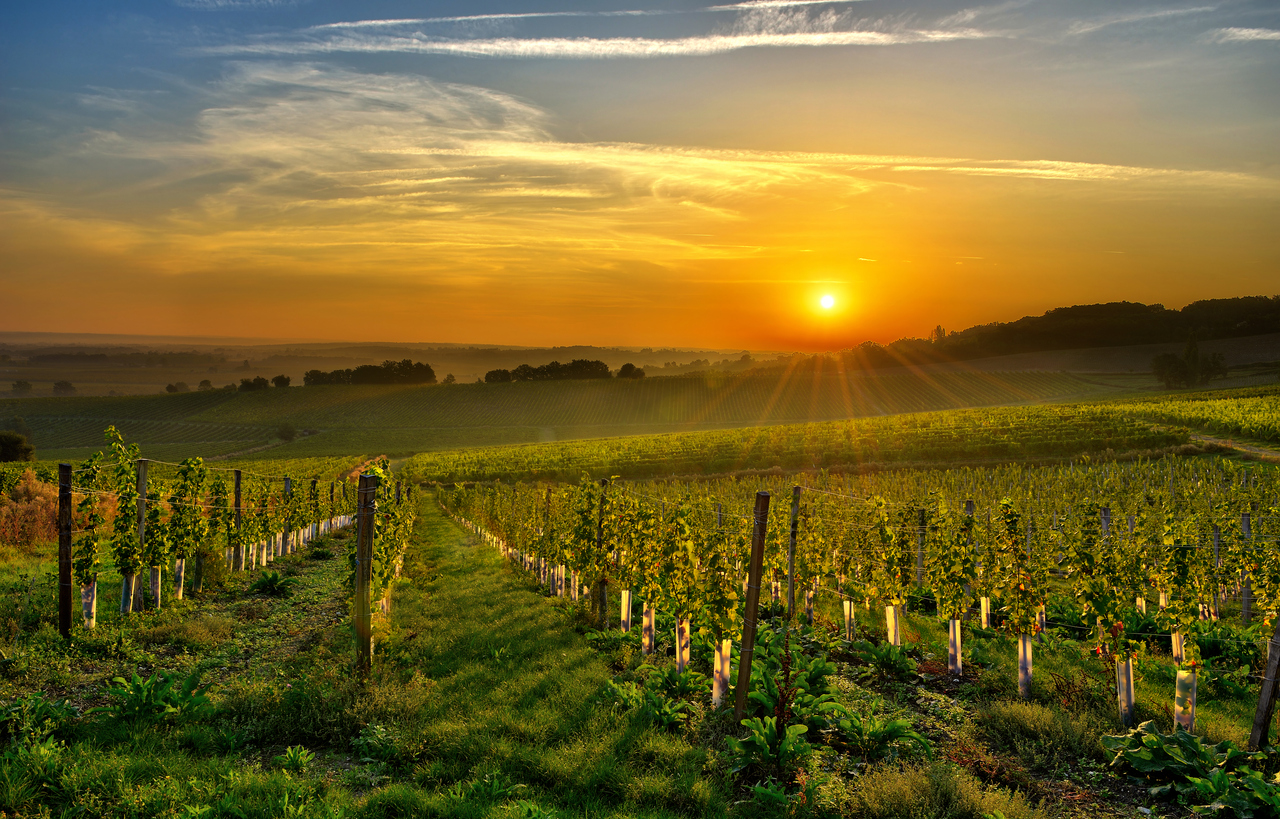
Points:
x=401, y=420
x=974, y=435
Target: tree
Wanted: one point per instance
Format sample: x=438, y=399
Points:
x=630, y=370
x=181, y=386
x=497, y=376
x=205, y=386
x=280, y=381
x=22, y=387
x=14, y=447
x=449, y=379
x=63, y=388
x=1189, y=369
x=253, y=384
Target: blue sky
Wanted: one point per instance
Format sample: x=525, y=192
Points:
x=621, y=173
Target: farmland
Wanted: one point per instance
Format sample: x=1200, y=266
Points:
x=399, y=420
x=501, y=687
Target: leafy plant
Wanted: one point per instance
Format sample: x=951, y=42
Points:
x=295, y=758
x=1181, y=763
x=874, y=738
x=768, y=748
x=885, y=662
x=272, y=584
x=528, y=809
x=677, y=685
x=32, y=718
x=376, y=743
x=627, y=694
x=662, y=710
x=157, y=697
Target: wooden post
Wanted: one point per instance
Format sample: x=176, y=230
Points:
x=64, y=550
x=130, y=581
x=1217, y=569
x=1246, y=585
x=237, y=553
x=1267, y=696
x=286, y=544
x=920, y=525
x=601, y=595
x=791, y=552
x=760, y=526
x=366, y=498
x=315, y=493
x=968, y=588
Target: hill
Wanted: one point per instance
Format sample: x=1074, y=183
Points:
x=339, y=420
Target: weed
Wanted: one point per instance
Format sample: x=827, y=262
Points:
x=196, y=634
x=769, y=750
x=874, y=738
x=295, y=758
x=1043, y=738
x=32, y=718
x=273, y=584
x=376, y=743
x=155, y=698
x=883, y=663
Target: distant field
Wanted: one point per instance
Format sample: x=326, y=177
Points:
x=1254, y=413
x=401, y=420
x=957, y=436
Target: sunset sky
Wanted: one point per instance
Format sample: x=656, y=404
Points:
x=612, y=172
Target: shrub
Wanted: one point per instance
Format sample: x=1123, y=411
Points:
x=934, y=791
x=195, y=634
x=156, y=697
x=32, y=718
x=272, y=584
x=1043, y=738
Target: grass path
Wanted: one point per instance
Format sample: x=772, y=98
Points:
x=515, y=696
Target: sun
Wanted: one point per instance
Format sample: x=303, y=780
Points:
x=828, y=301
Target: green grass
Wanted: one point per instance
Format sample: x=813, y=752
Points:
x=478, y=682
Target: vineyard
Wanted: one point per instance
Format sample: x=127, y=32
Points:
x=1162, y=571
x=1032, y=611
x=1004, y=434
x=1253, y=413
x=403, y=419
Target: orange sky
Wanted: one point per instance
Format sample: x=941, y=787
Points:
x=710, y=199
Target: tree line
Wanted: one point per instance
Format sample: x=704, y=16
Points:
x=579, y=368
x=405, y=371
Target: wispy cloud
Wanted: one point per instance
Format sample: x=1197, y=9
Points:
x=528, y=15
x=1243, y=35
x=1097, y=24
x=589, y=47
x=226, y=5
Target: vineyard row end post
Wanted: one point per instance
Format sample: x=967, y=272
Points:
x=791, y=552
x=754, y=570
x=64, y=550
x=366, y=499
x=237, y=547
